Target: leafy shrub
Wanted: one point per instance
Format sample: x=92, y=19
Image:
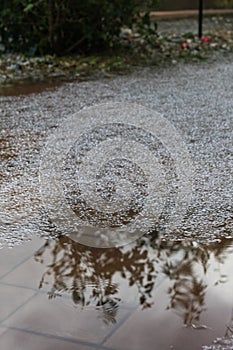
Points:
x=67, y=26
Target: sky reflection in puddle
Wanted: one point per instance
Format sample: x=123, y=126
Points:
x=149, y=294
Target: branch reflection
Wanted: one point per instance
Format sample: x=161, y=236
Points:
x=96, y=277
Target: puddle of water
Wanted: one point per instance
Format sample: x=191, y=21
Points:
x=29, y=87
x=149, y=294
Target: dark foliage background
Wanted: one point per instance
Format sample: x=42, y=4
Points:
x=68, y=26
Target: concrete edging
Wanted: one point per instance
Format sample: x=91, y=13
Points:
x=163, y=15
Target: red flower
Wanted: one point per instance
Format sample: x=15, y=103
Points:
x=206, y=40
x=185, y=45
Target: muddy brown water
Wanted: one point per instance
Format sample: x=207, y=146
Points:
x=26, y=87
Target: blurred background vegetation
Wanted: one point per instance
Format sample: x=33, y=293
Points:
x=68, y=26
x=65, y=27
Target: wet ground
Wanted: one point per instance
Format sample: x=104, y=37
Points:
x=154, y=296
x=162, y=291
x=27, y=87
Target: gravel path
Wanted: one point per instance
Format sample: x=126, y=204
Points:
x=213, y=24
x=196, y=99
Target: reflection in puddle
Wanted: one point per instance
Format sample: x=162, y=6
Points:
x=159, y=294
x=107, y=279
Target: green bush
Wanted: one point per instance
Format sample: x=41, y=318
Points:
x=67, y=26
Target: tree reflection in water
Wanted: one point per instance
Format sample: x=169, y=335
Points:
x=93, y=276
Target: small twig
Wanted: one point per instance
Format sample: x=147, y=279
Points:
x=76, y=44
x=230, y=329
